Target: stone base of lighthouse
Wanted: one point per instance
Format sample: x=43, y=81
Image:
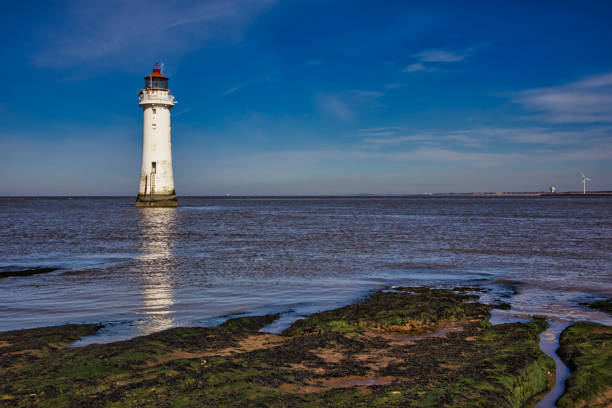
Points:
x=158, y=200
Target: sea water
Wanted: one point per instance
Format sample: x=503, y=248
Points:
x=143, y=270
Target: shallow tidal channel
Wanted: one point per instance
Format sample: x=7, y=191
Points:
x=549, y=344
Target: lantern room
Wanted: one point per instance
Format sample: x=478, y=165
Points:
x=156, y=80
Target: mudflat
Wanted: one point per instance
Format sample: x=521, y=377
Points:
x=408, y=346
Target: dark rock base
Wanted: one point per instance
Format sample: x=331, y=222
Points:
x=167, y=200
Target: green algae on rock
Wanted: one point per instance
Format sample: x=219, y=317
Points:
x=587, y=350
x=408, y=347
x=383, y=311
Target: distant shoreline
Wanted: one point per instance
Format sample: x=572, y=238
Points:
x=575, y=194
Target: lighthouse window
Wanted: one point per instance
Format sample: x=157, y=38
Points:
x=156, y=83
x=154, y=111
x=154, y=125
x=153, y=167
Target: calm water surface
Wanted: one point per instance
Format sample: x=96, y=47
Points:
x=142, y=270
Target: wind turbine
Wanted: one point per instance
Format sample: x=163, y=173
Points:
x=584, y=180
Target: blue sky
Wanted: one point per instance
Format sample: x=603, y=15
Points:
x=310, y=97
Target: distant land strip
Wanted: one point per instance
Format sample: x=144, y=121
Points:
x=576, y=194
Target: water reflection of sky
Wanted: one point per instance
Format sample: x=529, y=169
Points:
x=142, y=270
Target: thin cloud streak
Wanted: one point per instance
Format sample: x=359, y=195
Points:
x=438, y=56
x=428, y=60
x=379, y=132
x=343, y=105
x=108, y=32
x=484, y=136
x=233, y=89
x=285, y=166
x=334, y=106
x=585, y=101
x=416, y=67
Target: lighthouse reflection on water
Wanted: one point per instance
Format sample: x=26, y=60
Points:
x=154, y=268
x=157, y=263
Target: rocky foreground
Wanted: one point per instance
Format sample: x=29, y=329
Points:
x=407, y=347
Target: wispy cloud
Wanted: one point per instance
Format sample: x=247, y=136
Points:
x=438, y=169
x=364, y=96
x=396, y=140
x=233, y=89
x=546, y=136
x=439, y=56
x=520, y=138
x=395, y=135
x=416, y=67
x=426, y=138
x=334, y=106
x=394, y=85
x=427, y=154
x=585, y=101
x=116, y=33
x=430, y=60
x=343, y=105
x=380, y=131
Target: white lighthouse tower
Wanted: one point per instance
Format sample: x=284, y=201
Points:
x=156, y=179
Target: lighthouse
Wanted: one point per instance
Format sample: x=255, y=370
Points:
x=156, y=180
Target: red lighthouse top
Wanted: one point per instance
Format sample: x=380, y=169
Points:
x=156, y=80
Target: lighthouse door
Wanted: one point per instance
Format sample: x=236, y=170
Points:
x=153, y=171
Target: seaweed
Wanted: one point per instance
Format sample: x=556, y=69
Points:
x=586, y=348
x=413, y=347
